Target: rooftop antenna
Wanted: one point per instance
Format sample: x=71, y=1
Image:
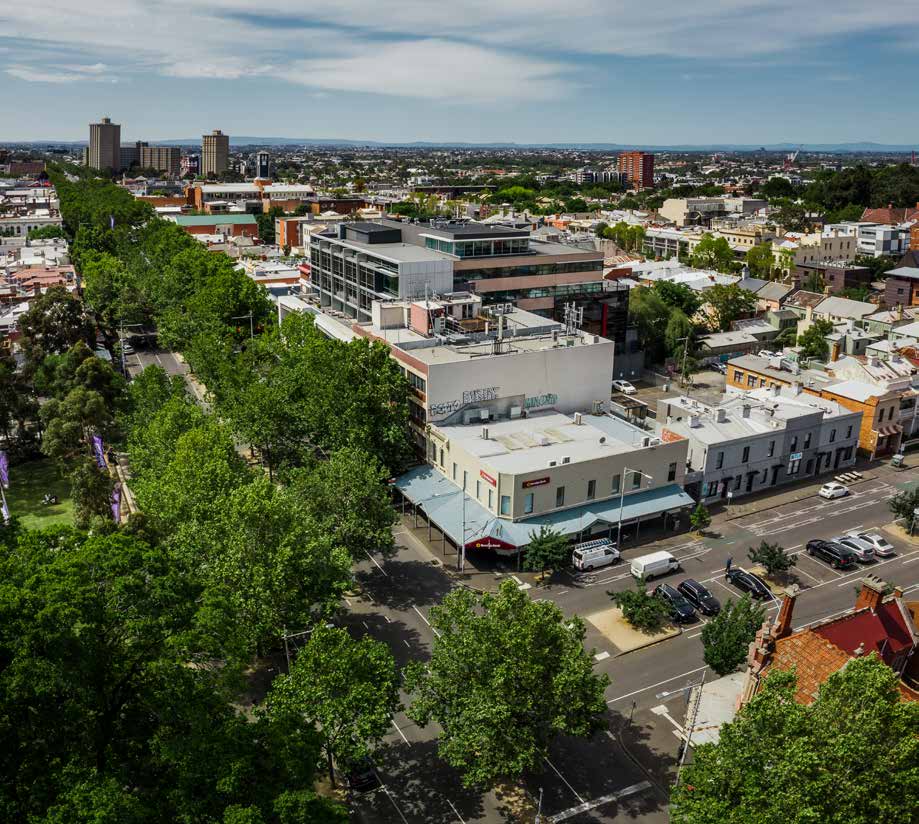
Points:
x=574, y=317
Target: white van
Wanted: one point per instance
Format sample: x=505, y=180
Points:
x=592, y=554
x=657, y=563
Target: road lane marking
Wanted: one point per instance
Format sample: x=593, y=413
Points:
x=563, y=779
x=421, y=615
x=601, y=656
x=398, y=730
x=455, y=811
x=375, y=561
x=652, y=686
x=634, y=789
x=911, y=560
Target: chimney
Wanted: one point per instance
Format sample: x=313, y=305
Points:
x=721, y=415
x=871, y=593
x=745, y=410
x=578, y=419
x=782, y=626
x=859, y=651
x=795, y=388
x=834, y=351
x=898, y=592
x=809, y=314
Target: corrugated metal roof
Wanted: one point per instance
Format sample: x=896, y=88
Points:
x=213, y=220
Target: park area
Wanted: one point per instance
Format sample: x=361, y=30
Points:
x=29, y=483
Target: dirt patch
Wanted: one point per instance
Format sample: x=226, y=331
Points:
x=622, y=635
x=515, y=803
x=901, y=534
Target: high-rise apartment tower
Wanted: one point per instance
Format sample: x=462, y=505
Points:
x=104, y=145
x=215, y=153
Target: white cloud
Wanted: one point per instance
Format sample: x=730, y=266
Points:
x=473, y=50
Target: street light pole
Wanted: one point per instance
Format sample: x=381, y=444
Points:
x=690, y=726
x=625, y=476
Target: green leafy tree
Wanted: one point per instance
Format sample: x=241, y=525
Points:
x=17, y=402
x=640, y=608
x=700, y=519
x=713, y=253
x=45, y=233
x=349, y=689
x=791, y=216
x=650, y=314
x=69, y=423
x=726, y=638
x=761, y=261
x=903, y=504
x=678, y=296
x=54, y=323
x=777, y=187
x=773, y=558
x=91, y=492
x=783, y=761
x=729, y=303
x=548, y=550
x=813, y=342
x=679, y=332
x=506, y=675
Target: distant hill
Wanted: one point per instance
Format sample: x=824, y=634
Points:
x=863, y=147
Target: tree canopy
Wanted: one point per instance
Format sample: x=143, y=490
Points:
x=506, y=675
x=727, y=636
x=813, y=342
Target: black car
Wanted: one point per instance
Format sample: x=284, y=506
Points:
x=362, y=776
x=748, y=582
x=699, y=597
x=680, y=609
x=836, y=555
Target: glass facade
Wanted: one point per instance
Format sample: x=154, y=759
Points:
x=480, y=248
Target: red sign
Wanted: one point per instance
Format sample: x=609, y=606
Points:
x=535, y=482
x=670, y=437
x=490, y=543
x=488, y=477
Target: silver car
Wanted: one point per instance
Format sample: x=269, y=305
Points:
x=862, y=549
x=881, y=546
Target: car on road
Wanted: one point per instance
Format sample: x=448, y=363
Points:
x=361, y=775
x=592, y=554
x=748, y=582
x=699, y=597
x=720, y=367
x=881, y=546
x=838, y=557
x=681, y=610
x=625, y=387
x=833, y=490
x=862, y=549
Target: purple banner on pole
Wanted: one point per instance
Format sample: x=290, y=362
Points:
x=116, y=502
x=100, y=453
x=4, y=511
x=4, y=470
x=111, y=221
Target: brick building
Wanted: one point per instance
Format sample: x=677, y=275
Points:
x=230, y=225
x=637, y=169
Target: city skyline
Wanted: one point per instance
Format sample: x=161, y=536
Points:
x=756, y=73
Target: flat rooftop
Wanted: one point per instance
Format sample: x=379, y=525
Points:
x=472, y=231
x=393, y=252
x=458, y=352
x=529, y=444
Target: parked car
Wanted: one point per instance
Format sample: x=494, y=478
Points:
x=720, y=367
x=650, y=566
x=839, y=557
x=881, y=546
x=862, y=549
x=833, y=490
x=361, y=776
x=699, y=597
x=681, y=610
x=592, y=554
x=748, y=582
x=625, y=387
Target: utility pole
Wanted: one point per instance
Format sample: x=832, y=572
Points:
x=683, y=367
x=690, y=725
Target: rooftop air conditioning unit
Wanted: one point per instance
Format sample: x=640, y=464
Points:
x=566, y=459
x=552, y=463
x=596, y=407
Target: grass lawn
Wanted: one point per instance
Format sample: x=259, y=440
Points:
x=29, y=482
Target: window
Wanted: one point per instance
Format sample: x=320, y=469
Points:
x=719, y=462
x=849, y=433
x=738, y=481
x=738, y=376
x=832, y=435
x=793, y=467
x=807, y=440
x=560, y=496
x=465, y=476
x=505, y=504
x=671, y=472
x=746, y=454
x=591, y=490
x=751, y=380
x=454, y=470
x=528, y=503
x=794, y=444
x=441, y=456
x=478, y=490
x=771, y=448
x=490, y=504
x=765, y=475
x=636, y=480
x=616, y=481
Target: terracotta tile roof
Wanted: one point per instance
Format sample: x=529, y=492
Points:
x=803, y=299
x=813, y=658
x=890, y=214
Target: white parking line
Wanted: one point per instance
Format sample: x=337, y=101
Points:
x=652, y=686
x=563, y=779
x=422, y=616
x=911, y=560
x=455, y=811
x=377, y=563
x=641, y=786
x=398, y=730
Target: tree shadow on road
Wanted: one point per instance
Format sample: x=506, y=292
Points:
x=405, y=643
x=405, y=584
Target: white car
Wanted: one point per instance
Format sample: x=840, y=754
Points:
x=625, y=387
x=882, y=547
x=833, y=490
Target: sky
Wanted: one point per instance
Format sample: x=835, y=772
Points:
x=527, y=71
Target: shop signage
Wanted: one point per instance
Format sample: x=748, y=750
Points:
x=795, y=456
x=487, y=477
x=535, y=482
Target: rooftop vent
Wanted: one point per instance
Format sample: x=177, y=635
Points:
x=578, y=419
x=721, y=415
x=566, y=459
